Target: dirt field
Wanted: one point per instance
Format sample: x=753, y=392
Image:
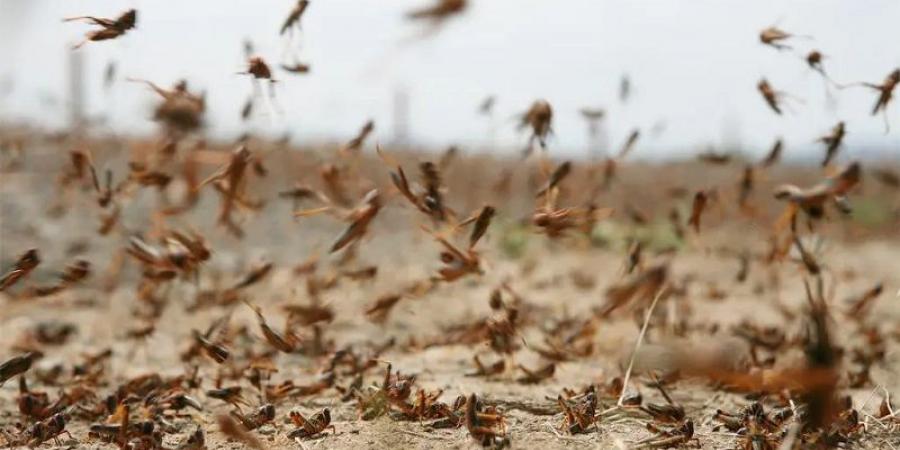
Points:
x=560, y=282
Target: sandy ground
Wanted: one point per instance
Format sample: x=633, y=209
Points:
x=543, y=276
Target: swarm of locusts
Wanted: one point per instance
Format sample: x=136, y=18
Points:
x=250, y=295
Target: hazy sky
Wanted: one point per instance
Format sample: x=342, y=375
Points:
x=694, y=65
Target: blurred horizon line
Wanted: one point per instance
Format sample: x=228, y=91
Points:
x=803, y=154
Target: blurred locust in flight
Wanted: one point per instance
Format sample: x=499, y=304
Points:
x=360, y=219
x=355, y=144
x=554, y=220
x=611, y=164
x=539, y=118
x=293, y=18
x=774, y=154
x=773, y=36
x=459, y=263
x=812, y=200
x=230, y=181
x=885, y=94
x=770, y=95
x=814, y=61
x=296, y=68
x=439, y=11
x=110, y=28
x=486, y=107
x=180, y=109
x=833, y=141
x=259, y=69
x=885, y=90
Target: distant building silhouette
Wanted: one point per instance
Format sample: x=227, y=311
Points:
x=401, y=117
x=76, y=89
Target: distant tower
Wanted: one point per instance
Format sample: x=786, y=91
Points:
x=598, y=139
x=731, y=134
x=401, y=116
x=76, y=89
x=597, y=136
x=602, y=140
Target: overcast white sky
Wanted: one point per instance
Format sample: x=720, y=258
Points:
x=694, y=65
